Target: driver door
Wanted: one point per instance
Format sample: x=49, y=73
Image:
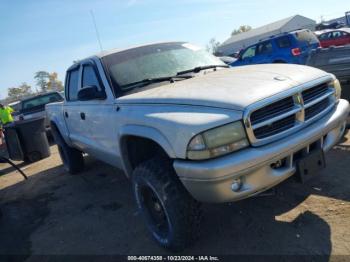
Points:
x=97, y=117
x=263, y=53
x=248, y=56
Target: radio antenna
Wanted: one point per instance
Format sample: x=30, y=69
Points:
x=97, y=34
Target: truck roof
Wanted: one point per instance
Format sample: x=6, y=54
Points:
x=344, y=29
x=283, y=34
x=117, y=50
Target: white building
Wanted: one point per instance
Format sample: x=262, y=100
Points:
x=237, y=42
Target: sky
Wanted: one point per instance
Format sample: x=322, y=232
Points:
x=50, y=34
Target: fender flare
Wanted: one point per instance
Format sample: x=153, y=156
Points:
x=144, y=132
x=54, y=122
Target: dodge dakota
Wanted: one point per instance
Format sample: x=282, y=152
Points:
x=187, y=129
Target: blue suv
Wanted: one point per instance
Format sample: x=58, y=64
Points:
x=293, y=47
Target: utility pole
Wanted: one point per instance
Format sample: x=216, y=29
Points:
x=97, y=34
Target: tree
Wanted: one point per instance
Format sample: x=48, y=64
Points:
x=26, y=89
x=241, y=29
x=21, y=91
x=53, y=83
x=42, y=78
x=213, y=45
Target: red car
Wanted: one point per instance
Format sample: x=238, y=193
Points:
x=334, y=37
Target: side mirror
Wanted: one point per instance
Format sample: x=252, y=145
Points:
x=91, y=93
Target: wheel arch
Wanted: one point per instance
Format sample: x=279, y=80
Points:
x=56, y=128
x=149, y=139
x=279, y=61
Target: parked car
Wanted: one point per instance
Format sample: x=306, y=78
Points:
x=227, y=59
x=235, y=54
x=292, y=48
x=338, y=37
x=16, y=106
x=62, y=94
x=186, y=129
x=335, y=60
x=333, y=25
x=35, y=107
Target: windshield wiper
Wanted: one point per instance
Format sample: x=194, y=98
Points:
x=149, y=81
x=200, y=68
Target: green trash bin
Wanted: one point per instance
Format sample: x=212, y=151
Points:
x=27, y=141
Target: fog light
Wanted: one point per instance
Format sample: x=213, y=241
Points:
x=236, y=184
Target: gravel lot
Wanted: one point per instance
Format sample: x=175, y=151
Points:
x=94, y=213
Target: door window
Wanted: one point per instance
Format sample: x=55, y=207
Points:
x=264, y=48
x=324, y=36
x=73, y=84
x=337, y=34
x=344, y=34
x=283, y=42
x=250, y=52
x=89, y=77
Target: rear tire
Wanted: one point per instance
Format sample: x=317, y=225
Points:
x=72, y=159
x=172, y=216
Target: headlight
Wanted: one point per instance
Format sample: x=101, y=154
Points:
x=337, y=88
x=217, y=142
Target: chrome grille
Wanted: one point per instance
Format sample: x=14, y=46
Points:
x=312, y=111
x=275, y=127
x=273, y=110
x=312, y=93
x=279, y=116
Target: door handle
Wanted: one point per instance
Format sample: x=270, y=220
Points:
x=82, y=115
x=66, y=114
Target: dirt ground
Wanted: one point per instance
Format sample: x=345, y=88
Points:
x=95, y=213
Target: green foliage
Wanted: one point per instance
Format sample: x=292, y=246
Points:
x=54, y=84
x=42, y=79
x=21, y=91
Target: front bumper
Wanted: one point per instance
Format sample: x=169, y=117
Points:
x=211, y=180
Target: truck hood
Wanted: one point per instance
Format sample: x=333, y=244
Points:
x=233, y=88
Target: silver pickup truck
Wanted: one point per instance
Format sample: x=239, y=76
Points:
x=186, y=129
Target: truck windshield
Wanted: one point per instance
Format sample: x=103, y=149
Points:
x=155, y=61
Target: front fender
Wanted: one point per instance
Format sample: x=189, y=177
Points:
x=144, y=132
x=150, y=133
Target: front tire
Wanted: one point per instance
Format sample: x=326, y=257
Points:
x=172, y=215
